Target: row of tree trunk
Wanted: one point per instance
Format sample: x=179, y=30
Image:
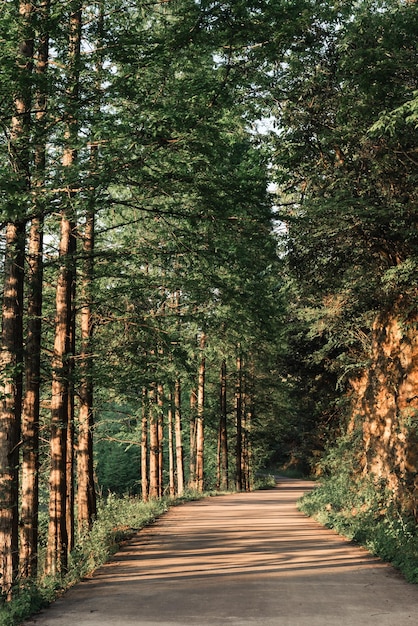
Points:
x=20, y=406
x=71, y=476
x=155, y=417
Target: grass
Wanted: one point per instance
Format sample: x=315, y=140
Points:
x=118, y=519
x=364, y=512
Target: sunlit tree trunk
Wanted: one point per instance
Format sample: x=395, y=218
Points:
x=178, y=437
x=238, y=416
x=192, y=452
x=172, y=482
x=154, y=470
x=160, y=420
x=247, y=443
x=200, y=433
x=30, y=414
x=144, y=445
x=56, y=557
x=11, y=357
x=69, y=507
x=31, y=401
x=222, y=478
x=86, y=494
x=11, y=390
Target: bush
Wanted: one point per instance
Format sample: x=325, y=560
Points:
x=118, y=519
x=364, y=511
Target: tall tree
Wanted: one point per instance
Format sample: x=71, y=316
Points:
x=12, y=310
x=200, y=416
x=154, y=448
x=178, y=437
x=238, y=421
x=57, y=550
x=86, y=495
x=223, y=481
x=31, y=403
x=351, y=219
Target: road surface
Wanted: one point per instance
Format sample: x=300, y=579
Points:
x=239, y=560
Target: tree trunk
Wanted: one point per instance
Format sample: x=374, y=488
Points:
x=61, y=403
x=56, y=558
x=160, y=404
x=222, y=480
x=154, y=472
x=11, y=393
x=86, y=495
x=192, y=460
x=200, y=433
x=69, y=507
x=238, y=415
x=31, y=402
x=11, y=358
x=69, y=481
x=144, y=446
x=30, y=415
x=178, y=437
x=172, y=481
x=245, y=465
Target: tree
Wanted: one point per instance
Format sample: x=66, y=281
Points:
x=31, y=401
x=348, y=203
x=12, y=310
x=222, y=473
x=61, y=400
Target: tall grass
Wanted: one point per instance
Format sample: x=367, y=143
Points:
x=118, y=519
x=365, y=512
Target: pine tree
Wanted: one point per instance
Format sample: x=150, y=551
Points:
x=12, y=310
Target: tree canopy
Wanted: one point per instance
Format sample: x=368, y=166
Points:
x=209, y=238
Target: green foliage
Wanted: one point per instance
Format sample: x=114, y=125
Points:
x=346, y=93
x=117, y=467
x=264, y=481
x=118, y=519
x=363, y=509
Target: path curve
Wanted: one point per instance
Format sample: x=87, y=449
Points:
x=239, y=560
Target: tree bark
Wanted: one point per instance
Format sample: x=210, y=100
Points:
x=192, y=459
x=172, y=481
x=56, y=557
x=69, y=508
x=31, y=402
x=11, y=393
x=178, y=438
x=30, y=415
x=154, y=471
x=160, y=404
x=386, y=404
x=11, y=358
x=200, y=431
x=222, y=479
x=238, y=416
x=86, y=494
x=144, y=446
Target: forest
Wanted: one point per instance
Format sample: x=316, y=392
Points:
x=209, y=261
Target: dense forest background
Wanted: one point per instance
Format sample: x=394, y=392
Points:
x=209, y=257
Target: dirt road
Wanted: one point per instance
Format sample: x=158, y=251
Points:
x=239, y=560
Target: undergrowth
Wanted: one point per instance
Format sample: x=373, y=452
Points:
x=118, y=519
x=365, y=512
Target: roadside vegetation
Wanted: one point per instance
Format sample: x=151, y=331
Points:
x=365, y=511
x=118, y=519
